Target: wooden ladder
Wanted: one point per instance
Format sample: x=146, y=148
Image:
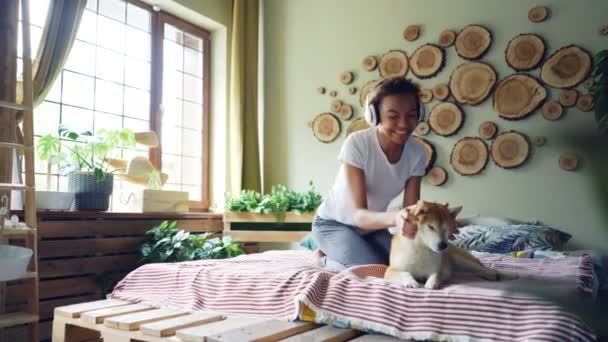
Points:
x=29, y=314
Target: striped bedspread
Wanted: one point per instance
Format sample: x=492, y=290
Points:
x=289, y=285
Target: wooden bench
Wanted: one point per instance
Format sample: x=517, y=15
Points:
x=112, y=320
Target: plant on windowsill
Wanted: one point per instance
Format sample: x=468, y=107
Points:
x=84, y=158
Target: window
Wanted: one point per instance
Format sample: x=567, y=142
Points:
x=132, y=67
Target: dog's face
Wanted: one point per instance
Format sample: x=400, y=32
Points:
x=435, y=223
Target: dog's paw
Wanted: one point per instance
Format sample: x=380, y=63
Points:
x=507, y=276
x=432, y=283
x=411, y=283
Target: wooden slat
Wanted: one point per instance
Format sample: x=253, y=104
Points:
x=80, y=247
x=266, y=331
x=67, y=267
x=48, y=306
x=134, y=321
x=17, y=232
x=68, y=286
x=266, y=236
x=16, y=106
x=170, y=326
x=325, y=333
x=99, y=316
x=376, y=338
x=11, y=186
x=290, y=217
x=15, y=146
x=200, y=333
x=74, y=311
x=16, y=318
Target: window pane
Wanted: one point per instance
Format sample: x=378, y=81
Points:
x=55, y=93
x=46, y=118
x=174, y=34
x=113, y=8
x=192, y=143
x=193, y=62
x=172, y=187
x=81, y=58
x=194, y=192
x=87, y=31
x=78, y=90
x=110, y=65
x=92, y=5
x=35, y=34
x=40, y=166
x=173, y=56
x=193, y=116
x=172, y=167
x=108, y=97
x=107, y=121
x=63, y=183
x=137, y=73
x=172, y=113
x=193, y=89
x=77, y=119
x=172, y=85
x=38, y=10
x=44, y=183
x=138, y=17
x=137, y=103
x=193, y=42
x=110, y=34
x=171, y=140
x=138, y=43
x=137, y=125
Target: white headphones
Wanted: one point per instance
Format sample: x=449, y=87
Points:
x=372, y=115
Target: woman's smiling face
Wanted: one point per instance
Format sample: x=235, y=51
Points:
x=398, y=117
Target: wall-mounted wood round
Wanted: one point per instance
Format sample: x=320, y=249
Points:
x=517, y=96
x=473, y=42
x=539, y=140
x=472, y=82
x=446, y=38
x=367, y=87
x=552, y=110
x=411, y=33
x=326, y=127
x=585, y=102
x=604, y=30
x=346, y=112
x=567, y=67
x=427, y=61
x=436, y=176
x=524, y=52
x=423, y=128
x=352, y=90
x=446, y=118
x=487, y=130
x=335, y=106
x=538, y=14
x=347, y=77
x=429, y=149
x=441, y=91
x=568, y=97
x=510, y=149
x=393, y=64
x=357, y=125
x=426, y=95
x=321, y=90
x=568, y=162
x=333, y=93
x=469, y=156
x=369, y=63
x=587, y=84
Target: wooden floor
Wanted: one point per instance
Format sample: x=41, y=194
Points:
x=113, y=320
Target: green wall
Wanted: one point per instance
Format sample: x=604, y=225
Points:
x=308, y=43
x=218, y=10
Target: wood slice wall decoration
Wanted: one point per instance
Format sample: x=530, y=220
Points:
x=357, y=125
x=326, y=127
x=426, y=95
x=423, y=128
x=568, y=162
x=345, y=112
x=472, y=82
x=517, y=96
x=538, y=14
x=427, y=61
x=567, y=67
x=367, y=87
x=469, y=156
x=335, y=106
x=510, y=149
x=441, y=91
x=347, y=77
x=568, y=97
x=446, y=119
x=436, y=176
x=488, y=130
x=429, y=149
x=369, y=63
x=446, y=38
x=473, y=41
x=585, y=102
x=393, y=64
x=552, y=110
x=411, y=33
x=525, y=52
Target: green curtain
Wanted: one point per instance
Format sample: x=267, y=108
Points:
x=243, y=146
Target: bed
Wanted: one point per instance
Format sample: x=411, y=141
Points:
x=288, y=286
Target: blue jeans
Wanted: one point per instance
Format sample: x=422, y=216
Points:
x=346, y=246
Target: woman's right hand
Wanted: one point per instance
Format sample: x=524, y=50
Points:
x=405, y=227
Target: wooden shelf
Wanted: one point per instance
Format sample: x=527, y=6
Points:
x=16, y=318
x=12, y=105
x=13, y=232
x=290, y=217
x=266, y=236
x=16, y=146
x=10, y=186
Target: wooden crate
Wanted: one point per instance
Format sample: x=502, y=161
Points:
x=114, y=320
x=230, y=218
x=75, y=248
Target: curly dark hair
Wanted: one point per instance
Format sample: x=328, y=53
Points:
x=393, y=86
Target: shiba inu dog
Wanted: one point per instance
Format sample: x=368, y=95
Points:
x=429, y=257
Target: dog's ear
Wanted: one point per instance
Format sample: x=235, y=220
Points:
x=420, y=208
x=455, y=211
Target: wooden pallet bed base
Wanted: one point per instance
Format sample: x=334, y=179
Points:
x=111, y=320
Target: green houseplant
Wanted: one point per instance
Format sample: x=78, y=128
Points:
x=84, y=158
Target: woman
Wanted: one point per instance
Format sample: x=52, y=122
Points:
x=376, y=165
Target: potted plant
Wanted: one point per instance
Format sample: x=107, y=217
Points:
x=599, y=90
x=84, y=158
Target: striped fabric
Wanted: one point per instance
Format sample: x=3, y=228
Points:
x=287, y=284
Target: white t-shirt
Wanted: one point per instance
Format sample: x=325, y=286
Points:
x=383, y=180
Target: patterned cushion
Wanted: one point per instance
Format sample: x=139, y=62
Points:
x=510, y=238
